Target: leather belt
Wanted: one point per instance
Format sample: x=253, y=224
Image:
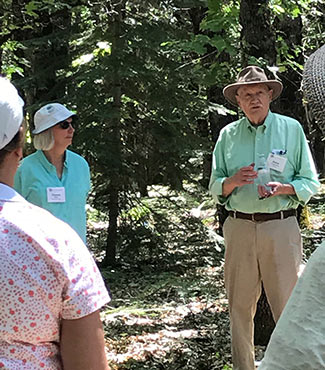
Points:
x=260, y=217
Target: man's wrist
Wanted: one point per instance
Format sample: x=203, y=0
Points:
x=287, y=189
x=228, y=186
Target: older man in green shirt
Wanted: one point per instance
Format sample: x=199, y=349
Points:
x=262, y=170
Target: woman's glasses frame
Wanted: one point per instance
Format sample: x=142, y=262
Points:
x=66, y=124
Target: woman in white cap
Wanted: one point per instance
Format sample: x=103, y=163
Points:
x=53, y=177
x=51, y=290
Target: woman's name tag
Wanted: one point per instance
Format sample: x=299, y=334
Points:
x=56, y=195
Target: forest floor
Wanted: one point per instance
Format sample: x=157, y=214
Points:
x=168, y=308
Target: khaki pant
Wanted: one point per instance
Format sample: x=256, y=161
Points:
x=269, y=251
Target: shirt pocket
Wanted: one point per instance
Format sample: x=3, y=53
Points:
x=288, y=173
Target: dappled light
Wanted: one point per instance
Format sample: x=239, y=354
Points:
x=169, y=309
x=146, y=80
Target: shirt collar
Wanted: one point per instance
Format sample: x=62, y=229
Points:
x=48, y=164
x=66, y=158
x=267, y=122
x=45, y=162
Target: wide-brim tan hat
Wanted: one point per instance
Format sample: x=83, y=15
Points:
x=313, y=84
x=249, y=76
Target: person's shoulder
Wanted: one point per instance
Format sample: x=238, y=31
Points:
x=232, y=127
x=75, y=158
x=290, y=121
x=29, y=162
x=31, y=158
x=45, y=224
x=55, y=240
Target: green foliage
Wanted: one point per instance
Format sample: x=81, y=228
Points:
x=32, y=8
x=81, y=54
x=162, y=58
x=222, y=16
x=314, y=26
x=220, y=27
x=291, y=8
x=222, y=33
x=136, y=213
x=157, y=134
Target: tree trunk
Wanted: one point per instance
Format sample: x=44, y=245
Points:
x=112, y=237
x=115, y=139
x=257, y=35
x=290, y=102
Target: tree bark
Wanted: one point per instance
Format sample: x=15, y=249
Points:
x=257, y=35
x=115, y=139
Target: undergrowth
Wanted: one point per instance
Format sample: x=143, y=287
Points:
x=168, y=308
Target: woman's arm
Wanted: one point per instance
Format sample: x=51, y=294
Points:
x=82, y=344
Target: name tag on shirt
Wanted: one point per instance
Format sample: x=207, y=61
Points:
x=56, y=195
x=276, y=162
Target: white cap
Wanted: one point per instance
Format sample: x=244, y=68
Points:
x=11, y=111
x=49, y=115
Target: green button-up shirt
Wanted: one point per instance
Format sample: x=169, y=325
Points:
x=240, y=144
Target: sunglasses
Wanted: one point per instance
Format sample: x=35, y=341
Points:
x=66, y=124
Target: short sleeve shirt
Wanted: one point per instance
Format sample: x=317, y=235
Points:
x=46, y=274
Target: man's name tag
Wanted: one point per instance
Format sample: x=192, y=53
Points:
x=56, y=195
x=276, y=162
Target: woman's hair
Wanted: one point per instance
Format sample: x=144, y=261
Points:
x=16, y=142
x=44, y=140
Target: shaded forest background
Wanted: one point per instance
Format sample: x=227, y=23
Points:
x=145, y=78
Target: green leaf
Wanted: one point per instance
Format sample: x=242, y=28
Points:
x=218, y=42
x=214, y=5
x=31, y=7
x=278, y=9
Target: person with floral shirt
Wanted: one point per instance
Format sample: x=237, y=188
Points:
x=50, y=288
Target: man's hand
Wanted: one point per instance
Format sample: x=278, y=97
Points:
x=245, y=175
x=275, y=188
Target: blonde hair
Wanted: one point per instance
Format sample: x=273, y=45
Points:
x=44, y=140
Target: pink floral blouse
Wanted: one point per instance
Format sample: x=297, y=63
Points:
x=46, y=274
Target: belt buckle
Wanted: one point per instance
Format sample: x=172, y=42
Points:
x=235, y=214
x=282, y=215
x=253, y=217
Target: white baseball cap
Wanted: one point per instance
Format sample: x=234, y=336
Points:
x=49, y=115
x=11, y=111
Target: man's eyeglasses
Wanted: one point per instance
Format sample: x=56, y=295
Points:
x=66, y=124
